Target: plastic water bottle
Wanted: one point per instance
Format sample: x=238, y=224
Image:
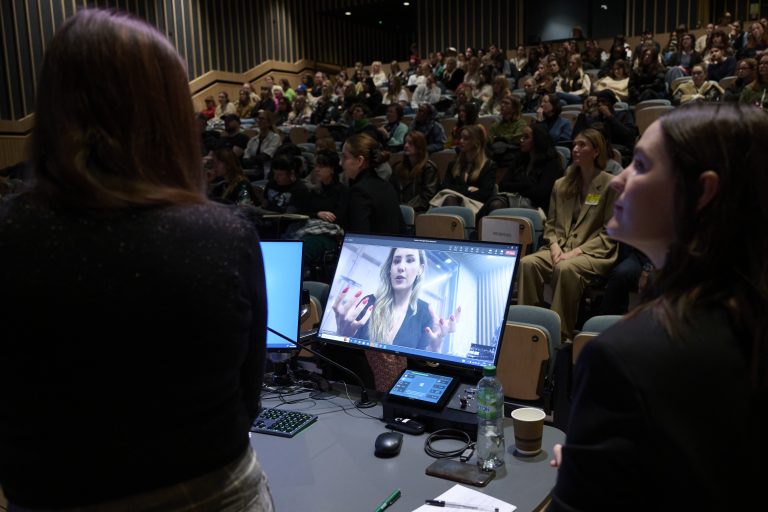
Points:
x=490, y=421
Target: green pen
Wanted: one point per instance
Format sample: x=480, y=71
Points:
x=389, y=501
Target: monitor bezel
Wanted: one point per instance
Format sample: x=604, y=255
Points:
x=287, y=348
x=421, y=360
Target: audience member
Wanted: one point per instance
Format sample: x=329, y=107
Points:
x=261, y=148
x=210, y=108
x=224, y=107
x=644, y=389
x=560, y=129
x=393, y=132
x=746, y=71
x=426, y=93
x=530, y=102
x=415, y=178
x=232, y=137
x=697, y=89
x=646, y=82
x=266, y=101
x=426, y=123
x=111, y=252
x=533, y=174
x=373, y=204
x=577, y=247
x=227, y=182
x=755, y=92
x=616, y=81
x=471, y=178
x=618, y=125
x=244, y=105
x=500, y=90
x=575, y=84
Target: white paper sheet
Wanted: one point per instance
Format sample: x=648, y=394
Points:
x=466, y=496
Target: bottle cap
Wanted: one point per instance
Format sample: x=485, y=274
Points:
x=489, y=371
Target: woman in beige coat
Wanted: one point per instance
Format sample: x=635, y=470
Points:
x=577, y=248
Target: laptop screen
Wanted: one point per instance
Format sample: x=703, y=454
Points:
x=431, y=299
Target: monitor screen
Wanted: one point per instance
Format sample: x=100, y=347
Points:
x=436, y=300
x=282, y=268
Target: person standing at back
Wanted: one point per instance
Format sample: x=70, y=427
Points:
x=134, y=309
x=670, y=404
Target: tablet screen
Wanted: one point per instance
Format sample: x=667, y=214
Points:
x=423, y=389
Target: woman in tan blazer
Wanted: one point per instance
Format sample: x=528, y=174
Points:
x=577, y=248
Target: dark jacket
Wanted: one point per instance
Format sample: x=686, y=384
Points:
x=486, y=181
x=416, y=192
x=373, y=206
x=537, y=184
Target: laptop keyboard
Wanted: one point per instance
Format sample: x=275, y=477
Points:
x=281, y=422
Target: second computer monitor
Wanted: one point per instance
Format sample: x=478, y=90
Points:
x=283, y=272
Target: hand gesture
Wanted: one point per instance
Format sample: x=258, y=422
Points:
x=347, y=312
x=326, y=216
x=440, y=328
x=557, y=458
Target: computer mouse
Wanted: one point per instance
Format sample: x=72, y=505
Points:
x=388, y=444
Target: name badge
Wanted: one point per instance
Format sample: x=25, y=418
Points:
x=592, y=199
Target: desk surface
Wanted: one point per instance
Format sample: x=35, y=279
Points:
x=330, y=466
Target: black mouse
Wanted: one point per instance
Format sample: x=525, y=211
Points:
x=388, y=444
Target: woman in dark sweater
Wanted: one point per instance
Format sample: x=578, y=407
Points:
x=147, y=340
x=534, y=173
x=472, y=175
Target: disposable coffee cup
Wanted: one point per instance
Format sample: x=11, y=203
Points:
x=528, y=423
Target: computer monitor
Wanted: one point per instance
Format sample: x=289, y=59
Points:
x=283, y=272
x=438, y=300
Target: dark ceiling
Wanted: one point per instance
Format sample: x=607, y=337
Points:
x=387, y=15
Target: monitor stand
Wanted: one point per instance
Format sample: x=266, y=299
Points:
x=281, y=375
x=460, y=413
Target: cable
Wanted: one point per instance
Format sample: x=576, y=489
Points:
x=464, y=453
x=364, y=402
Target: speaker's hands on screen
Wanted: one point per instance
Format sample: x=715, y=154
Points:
x=440, y=327
x=347, y=312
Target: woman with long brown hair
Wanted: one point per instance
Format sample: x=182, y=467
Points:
x=227, y=180
x=149, y=304
x=470, y=178
x=415, y=177
x=651, y=387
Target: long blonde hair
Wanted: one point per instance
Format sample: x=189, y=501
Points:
x=383, y=311
x=477, y=134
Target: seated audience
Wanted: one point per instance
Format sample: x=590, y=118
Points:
x=210, y=108
x=426, y=93
x=757, y=41
x=471, y=178
x=361, y=123
x=697, y=89
x=533, y=174
x=452, y=75
x=266, y=101
x=397, y=94
x=301, y=112
x=227, y=182
x=373, y=205
x=326, y=205
x=504, y=135
x=646, y=82
x=618, y=126
x=720, y=65
x=395, y=129
x=327, y=108
x=500, y=90
x=426, y=123
x=261, y=148
x=284, y=109
x=244, y=105
x=415, y=178
x=577, y=247
x=755, y=92
x=371, y=97
x=616, y=81
x=560, y=129
x=467, y=115
x=225, y=106
x=378, y=75
x=232, y=137
x=285, y=192
x=530, y=102
x=746, y=71
x=575, y=84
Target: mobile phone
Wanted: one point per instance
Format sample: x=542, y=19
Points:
x=463, y=472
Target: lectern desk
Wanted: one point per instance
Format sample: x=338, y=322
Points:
x=330, y=466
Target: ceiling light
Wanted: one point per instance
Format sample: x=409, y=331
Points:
x=348, y=13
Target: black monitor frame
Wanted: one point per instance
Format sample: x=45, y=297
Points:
x=430, y=360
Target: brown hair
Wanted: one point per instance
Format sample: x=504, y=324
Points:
x=406, y=170
x=234, y=172
x=92, y=147
x=477, y=133
x=573, y=176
